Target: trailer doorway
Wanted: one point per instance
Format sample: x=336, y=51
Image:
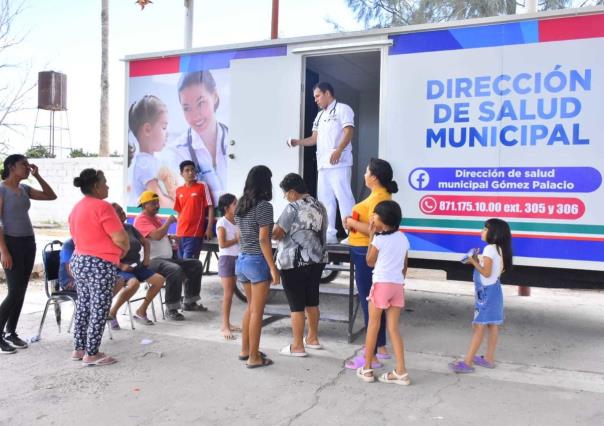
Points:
x=355, y=78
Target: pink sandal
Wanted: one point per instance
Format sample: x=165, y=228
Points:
x=104, y=360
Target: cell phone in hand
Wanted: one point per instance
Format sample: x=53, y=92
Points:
x=471, y=253
x=355, y=216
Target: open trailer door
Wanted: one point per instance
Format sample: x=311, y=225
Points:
x=265, y=111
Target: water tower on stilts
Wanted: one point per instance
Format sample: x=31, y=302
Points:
x=52, y=97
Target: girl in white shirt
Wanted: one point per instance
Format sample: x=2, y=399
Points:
x=148, y=122
x=387, y=254
x=488, y=307
x=228, y=243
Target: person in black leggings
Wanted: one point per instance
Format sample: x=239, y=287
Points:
x=17, y=242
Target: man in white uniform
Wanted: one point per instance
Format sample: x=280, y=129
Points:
x=332, y=132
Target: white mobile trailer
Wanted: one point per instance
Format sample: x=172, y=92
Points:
x=495, y=117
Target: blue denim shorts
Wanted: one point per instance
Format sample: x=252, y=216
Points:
x=252, y=268
x=141, y=273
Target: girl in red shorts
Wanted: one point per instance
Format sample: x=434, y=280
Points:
x=387, y=254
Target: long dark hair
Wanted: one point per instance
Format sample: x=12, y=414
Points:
x=9, y=162
x=382, y=170
x=258, y=187
x=498, y=233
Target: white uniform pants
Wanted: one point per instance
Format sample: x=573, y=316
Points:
x=334, y=184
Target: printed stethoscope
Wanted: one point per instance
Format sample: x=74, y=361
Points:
x=224, y=129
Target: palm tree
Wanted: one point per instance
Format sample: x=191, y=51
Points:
x=104, y=136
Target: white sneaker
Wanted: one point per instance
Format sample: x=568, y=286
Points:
x=332, y=240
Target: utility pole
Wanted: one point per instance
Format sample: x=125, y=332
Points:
x=531, y=6
x=189, y=9
x=275, y=20
x=104, y=133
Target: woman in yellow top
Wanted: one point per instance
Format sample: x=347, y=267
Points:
x=378, y=178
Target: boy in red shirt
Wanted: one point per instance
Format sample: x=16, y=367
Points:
x=193, y=202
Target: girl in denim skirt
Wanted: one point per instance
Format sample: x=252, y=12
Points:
x=488, y=311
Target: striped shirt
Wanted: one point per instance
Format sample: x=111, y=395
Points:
x=249, y=226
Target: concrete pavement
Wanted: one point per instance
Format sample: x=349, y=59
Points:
x=549, y=370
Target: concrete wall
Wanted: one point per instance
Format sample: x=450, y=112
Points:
x=59, y=173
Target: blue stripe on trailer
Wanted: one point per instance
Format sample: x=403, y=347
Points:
x=221, y=60
x=466, y=38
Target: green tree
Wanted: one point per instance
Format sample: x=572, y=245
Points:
x=79, y=152
x=38, y=151
x=387, y=13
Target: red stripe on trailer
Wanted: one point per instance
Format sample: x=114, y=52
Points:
x=157, y=66
x=572, y=28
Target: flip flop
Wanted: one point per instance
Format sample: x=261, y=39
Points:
x=265, y=363
x=481, y=361
x=142, y=320
x=246, y=357
x=403, y=379
x=461, y=367
x=77, y=357
x=114, y=324
x=312, y=346
x=106, y=360
x=287, y=351
x=359, y=361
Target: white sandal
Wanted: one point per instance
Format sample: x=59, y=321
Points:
x=287, y=351
x=402, y=379
x=361, y=371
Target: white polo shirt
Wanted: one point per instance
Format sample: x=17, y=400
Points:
x=329, y=125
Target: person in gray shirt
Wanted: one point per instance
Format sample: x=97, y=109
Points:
x=301, y=257
x=17, y=242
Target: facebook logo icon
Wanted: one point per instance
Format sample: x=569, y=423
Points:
x=419, y=179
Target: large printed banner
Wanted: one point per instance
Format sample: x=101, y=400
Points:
x=179, y=109
x=502, y=121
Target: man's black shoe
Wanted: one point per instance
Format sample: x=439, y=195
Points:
x=194, y=307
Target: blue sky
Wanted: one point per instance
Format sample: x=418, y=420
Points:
x=64, y=35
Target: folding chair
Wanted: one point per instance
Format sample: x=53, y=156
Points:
x=51, y=261
x=136, y=299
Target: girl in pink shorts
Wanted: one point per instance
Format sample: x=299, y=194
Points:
x=387, y=254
